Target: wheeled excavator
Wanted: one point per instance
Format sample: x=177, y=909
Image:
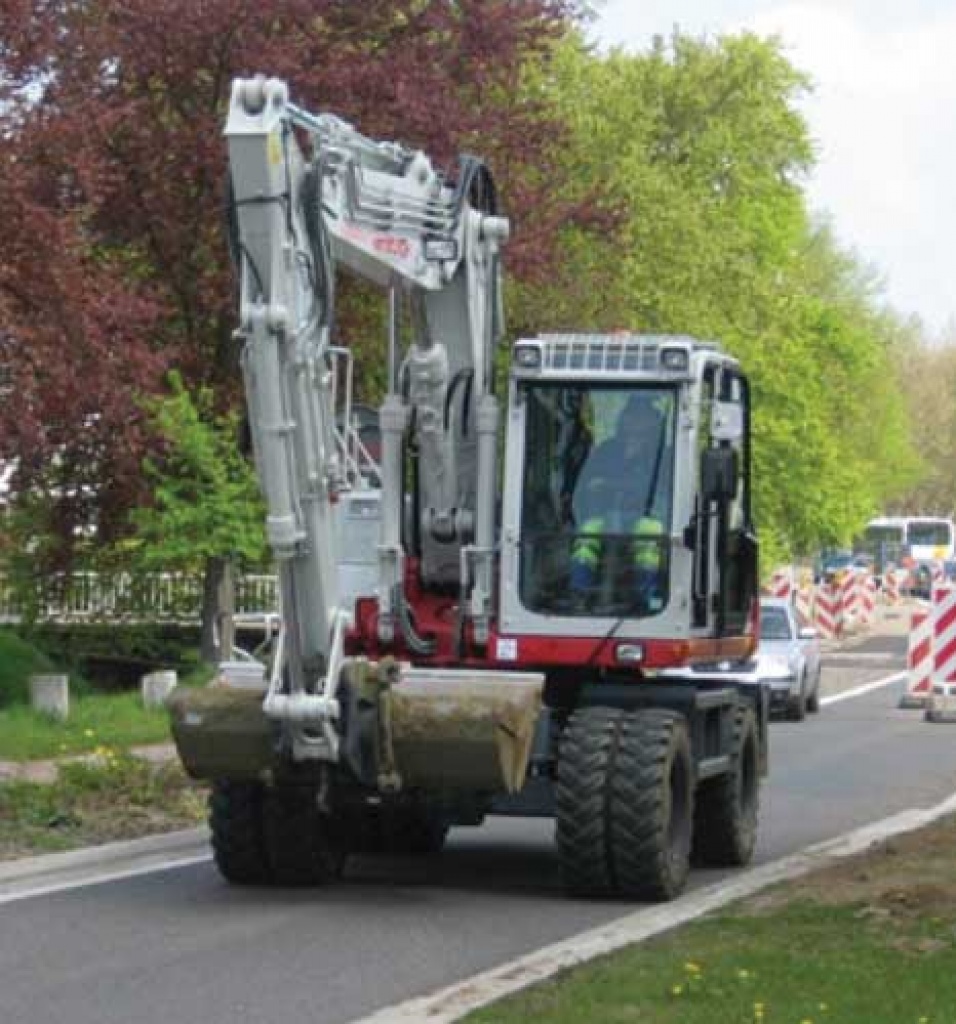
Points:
x=488, y=614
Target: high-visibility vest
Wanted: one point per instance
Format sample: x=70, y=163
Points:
x=647, y=549
x=647, y=553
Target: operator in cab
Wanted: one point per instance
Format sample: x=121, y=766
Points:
x=620, y=507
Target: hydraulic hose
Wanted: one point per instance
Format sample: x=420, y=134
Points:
x=416, y=644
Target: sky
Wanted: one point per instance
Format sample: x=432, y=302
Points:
x=881, y=115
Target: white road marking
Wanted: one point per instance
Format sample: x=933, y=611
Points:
x=95, y=865
x=858, y=691
x=100, y=878
x=456, y=1001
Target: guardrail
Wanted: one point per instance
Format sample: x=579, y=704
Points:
x=95, y=597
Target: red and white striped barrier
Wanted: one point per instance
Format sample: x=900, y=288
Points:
x=826, y=611
x=941, y=705
x=781, y=583
x=803, y=604
x=944, y=634
x=892, y=579
x=868, y=599
x=919, y=659
x=851, y=601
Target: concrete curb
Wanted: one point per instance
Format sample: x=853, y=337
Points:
x=54, y=872
x=454, y=1002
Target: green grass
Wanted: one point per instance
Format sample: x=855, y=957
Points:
x=112, y=720
x=804, y=963
x=119, y=797
x=866, y=940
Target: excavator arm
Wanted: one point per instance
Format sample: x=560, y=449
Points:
x=310, y=195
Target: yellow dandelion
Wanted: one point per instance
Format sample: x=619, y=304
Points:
x=88, y=733
x=676, y=990
x=692, y=968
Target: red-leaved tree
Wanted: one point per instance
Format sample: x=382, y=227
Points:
x=113, y=264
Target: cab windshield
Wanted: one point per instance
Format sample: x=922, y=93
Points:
x=596, y=500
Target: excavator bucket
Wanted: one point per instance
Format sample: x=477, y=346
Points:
x=221, y=732
x=460, y=729
x=440, y=729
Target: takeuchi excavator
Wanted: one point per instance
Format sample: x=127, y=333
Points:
x=487, y=612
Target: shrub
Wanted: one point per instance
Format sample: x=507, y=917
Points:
x=18, y=661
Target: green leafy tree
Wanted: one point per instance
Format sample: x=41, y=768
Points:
x=206, y=513
x=927, y=372
x=700, y=149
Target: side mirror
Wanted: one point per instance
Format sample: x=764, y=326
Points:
x=719, y=473
x=806, y=633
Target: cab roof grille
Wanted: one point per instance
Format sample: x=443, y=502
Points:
x=610, y=352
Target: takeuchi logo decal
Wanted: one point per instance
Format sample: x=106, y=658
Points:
x=384, y=245
x=389, y=245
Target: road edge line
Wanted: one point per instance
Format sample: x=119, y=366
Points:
x=93, y=865
x=455, y=1001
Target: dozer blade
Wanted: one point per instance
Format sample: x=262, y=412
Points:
x=461, y=729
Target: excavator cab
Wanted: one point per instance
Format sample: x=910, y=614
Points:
x=627, y=497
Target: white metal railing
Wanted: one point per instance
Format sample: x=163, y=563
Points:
x=142, y=597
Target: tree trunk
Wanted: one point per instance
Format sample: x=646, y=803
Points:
x=218, y=607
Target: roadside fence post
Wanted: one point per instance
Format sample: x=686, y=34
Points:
x=50, y=695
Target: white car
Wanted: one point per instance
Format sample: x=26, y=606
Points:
x=787, y=662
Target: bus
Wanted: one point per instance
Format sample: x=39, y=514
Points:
x=909, y=540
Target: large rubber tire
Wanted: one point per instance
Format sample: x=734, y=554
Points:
x=726, y=808
x=813, y=701
x=797, y=706
x=625, y=803
x=238, y=842
x=298, y=838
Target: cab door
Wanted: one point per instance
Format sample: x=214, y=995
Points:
x=737, y=576
x=725, y=545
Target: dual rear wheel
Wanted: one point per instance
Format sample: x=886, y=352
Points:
x=629, y=817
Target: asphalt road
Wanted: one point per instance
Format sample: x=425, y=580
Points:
x=182, y=946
